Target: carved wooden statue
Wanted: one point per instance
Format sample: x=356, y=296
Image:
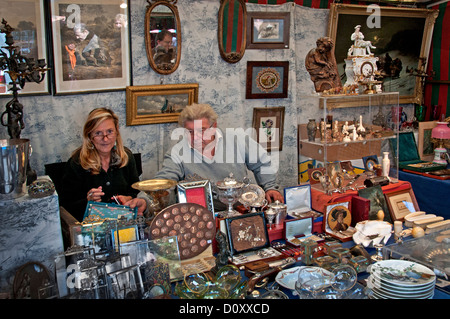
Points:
x=321, y=65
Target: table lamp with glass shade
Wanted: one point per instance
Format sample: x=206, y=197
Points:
x=441, y=133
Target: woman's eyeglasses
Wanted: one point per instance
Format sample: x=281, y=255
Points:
x=100, y=135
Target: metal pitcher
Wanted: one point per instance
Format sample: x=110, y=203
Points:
x=14, y=154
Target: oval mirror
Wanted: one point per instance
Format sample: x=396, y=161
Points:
x=232, y=30
x=163, y=35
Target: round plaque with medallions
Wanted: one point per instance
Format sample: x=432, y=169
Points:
x=192, y=224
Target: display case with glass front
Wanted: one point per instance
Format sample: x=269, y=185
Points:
x=350, y=142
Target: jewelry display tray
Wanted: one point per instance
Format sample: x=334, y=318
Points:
x=432, y=251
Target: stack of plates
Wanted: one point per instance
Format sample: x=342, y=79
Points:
x=401, y=279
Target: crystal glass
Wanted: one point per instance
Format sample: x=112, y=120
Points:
x=313, y=280
x=344, y=278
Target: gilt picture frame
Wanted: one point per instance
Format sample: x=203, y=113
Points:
x=155, y=104
x=268, y=30
x=91, y=46
x=267, y=79
x=268, y=123
x=402, y=33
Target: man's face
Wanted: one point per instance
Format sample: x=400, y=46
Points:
x=81, y=35
x=201, y=133
x=166, y=42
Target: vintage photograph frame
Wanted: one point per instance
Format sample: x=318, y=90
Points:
x=154, y=104
x=395, y=22
x=268, y=30
x=83, y=66
x=198, y=192
x=267, y=79
x=424, y=143
x=396, y=203
x=26, y=17
x=330, y=222
x=268, y=123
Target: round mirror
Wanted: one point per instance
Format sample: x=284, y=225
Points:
x=163, y=36
x=232, y=30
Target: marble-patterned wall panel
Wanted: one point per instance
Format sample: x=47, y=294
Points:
x=30, y=231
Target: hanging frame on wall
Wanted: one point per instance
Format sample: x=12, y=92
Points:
x=91, y=46
x=232, y=35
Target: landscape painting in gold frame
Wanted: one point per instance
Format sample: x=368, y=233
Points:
x=402, y=33
x=154, y=104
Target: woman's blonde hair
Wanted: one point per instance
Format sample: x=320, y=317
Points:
x=197, y=111
x=89, y=158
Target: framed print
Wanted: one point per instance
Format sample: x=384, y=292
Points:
x=401, y=203
x=198, y=192
x=267, y=80
x=425, y=144
x=337, y=221
x=91, y=46
x=377, y=202
x=268, y=123
x=27, y=19
x=401, y=37
x=153, y=104
x=268, y=30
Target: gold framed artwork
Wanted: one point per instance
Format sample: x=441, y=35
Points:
x=425, y=145
x=153, y=104
x=401, y=203
x=401, y=37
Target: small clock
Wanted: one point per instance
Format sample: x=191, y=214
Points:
x=367, y=69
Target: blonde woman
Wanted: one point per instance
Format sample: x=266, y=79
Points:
x=100, y=168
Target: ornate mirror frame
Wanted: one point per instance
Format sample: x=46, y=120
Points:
x=162, y=68
x=232, y=34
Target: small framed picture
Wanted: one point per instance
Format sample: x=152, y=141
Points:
x=198, y=192
x=370, y=162
x=268, y=123
x=337, y=221
x=425, y=144
x=401, y=203
x=268, y=30
x=267, y=79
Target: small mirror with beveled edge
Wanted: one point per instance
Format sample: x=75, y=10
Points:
x=163, y=35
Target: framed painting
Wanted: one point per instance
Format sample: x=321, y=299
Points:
x=267, y=80
x=377, y=202
x=337, y=221
x=401, y=37
x=268, y=123
x=91, y=46
x=198, y=192
x=268, y=30
x=401, y=203
x=153, y=104
x=425, y=144
x=27, y=18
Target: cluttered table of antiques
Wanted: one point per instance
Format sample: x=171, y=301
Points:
x=252, y=250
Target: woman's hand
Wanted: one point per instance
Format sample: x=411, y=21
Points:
x=140, y=203
x=95, y=194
